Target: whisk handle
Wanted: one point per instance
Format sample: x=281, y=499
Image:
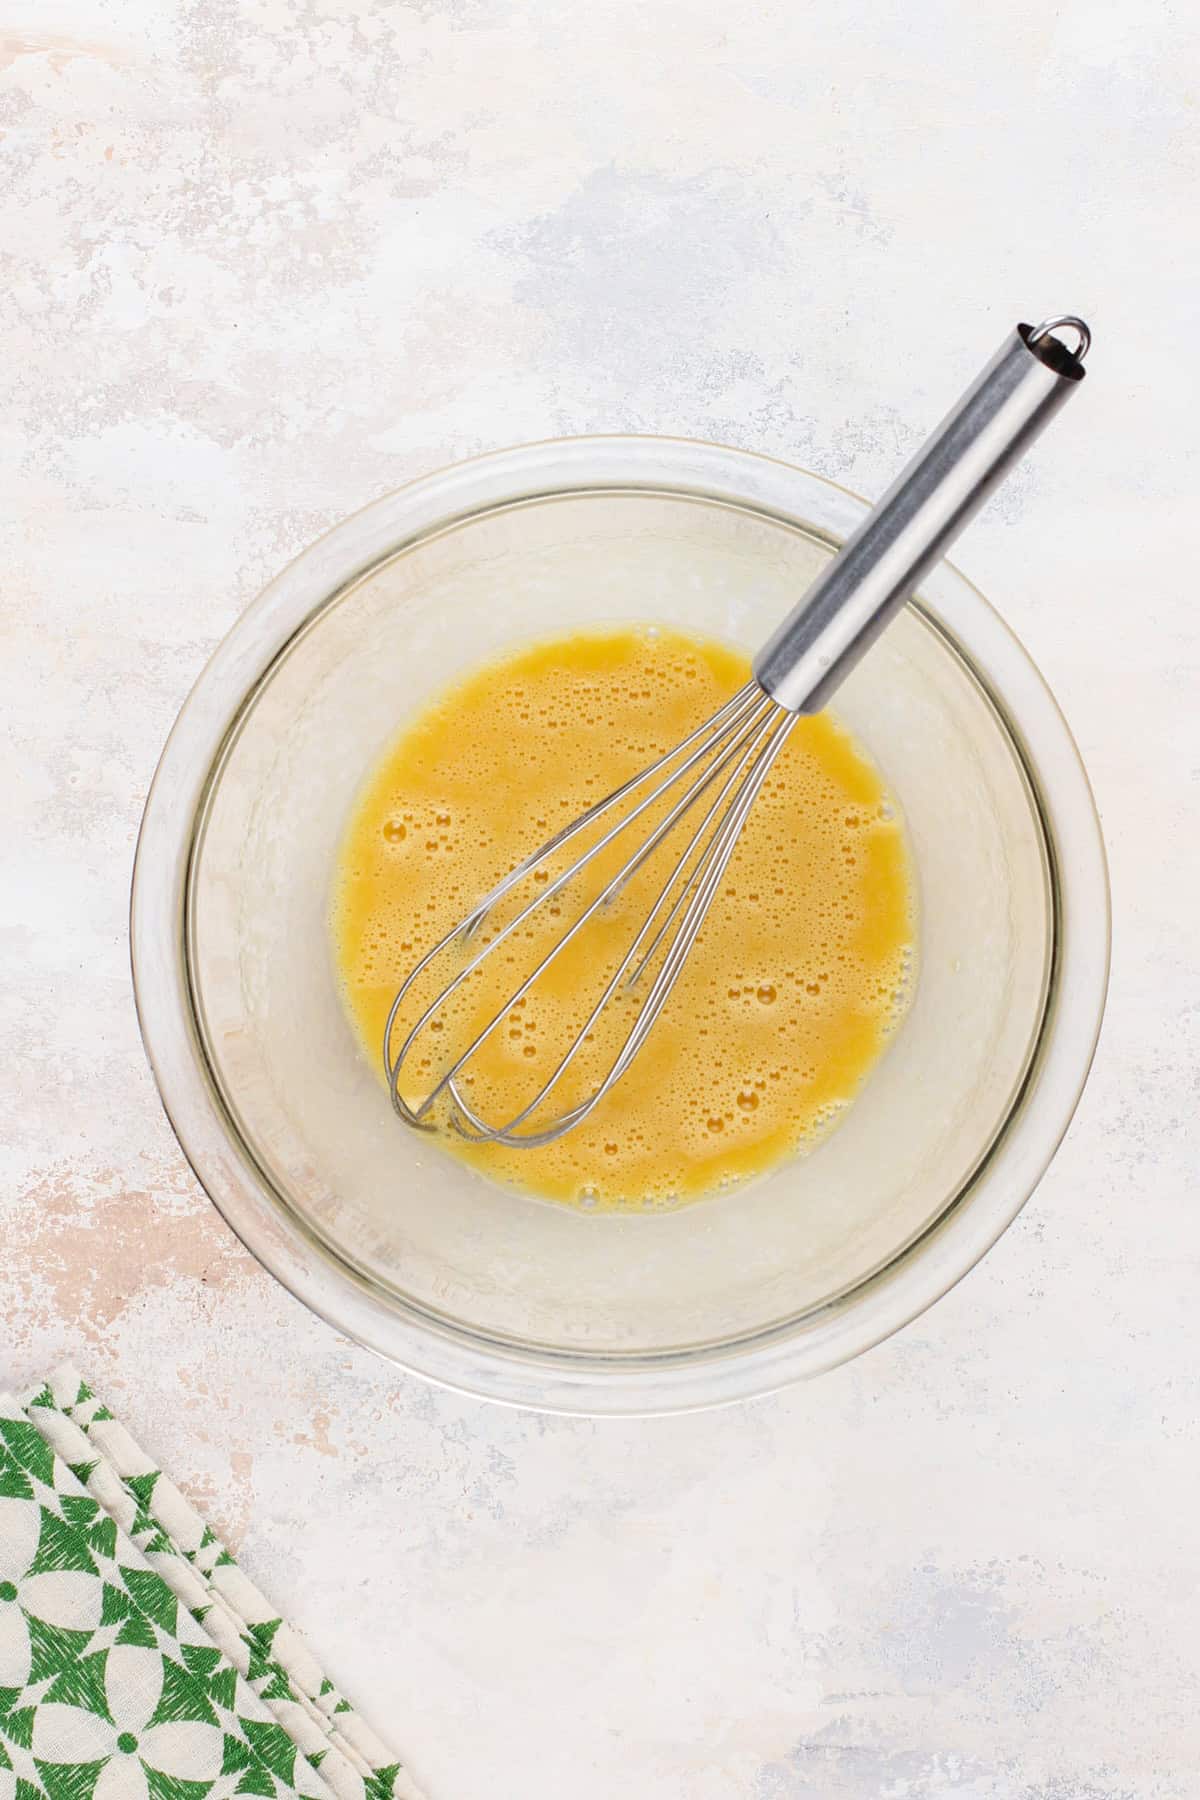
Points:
x=923, y=511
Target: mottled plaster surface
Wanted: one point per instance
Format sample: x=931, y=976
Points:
x=265, y=259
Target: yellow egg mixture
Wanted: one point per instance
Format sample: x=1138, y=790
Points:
x=800, y=974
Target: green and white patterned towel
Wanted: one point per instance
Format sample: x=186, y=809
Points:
x=137, y=1662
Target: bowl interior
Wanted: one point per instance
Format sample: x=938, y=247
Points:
x=428, y=1236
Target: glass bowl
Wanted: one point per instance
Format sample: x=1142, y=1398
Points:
x=400, y=1245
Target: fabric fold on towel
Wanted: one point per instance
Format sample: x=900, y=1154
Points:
x=137, y=1660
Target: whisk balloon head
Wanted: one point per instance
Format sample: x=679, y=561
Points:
x=674, y=825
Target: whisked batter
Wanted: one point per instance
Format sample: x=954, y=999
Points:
x=801, y=973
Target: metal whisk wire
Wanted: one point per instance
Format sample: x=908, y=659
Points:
x=796, y=671
x=738, y=742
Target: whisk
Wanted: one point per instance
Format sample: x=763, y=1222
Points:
x=699, y=794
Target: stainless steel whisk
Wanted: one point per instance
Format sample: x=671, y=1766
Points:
x=721, y=767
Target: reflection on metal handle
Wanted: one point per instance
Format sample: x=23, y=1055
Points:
x=921, y=514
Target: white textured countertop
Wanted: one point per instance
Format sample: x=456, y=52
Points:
x=263, y=260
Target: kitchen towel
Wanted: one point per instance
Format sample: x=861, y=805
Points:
x=137, y=1661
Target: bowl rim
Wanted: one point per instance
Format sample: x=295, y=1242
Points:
x=881, y=1304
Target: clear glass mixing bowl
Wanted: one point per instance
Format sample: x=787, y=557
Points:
x=403, y=1247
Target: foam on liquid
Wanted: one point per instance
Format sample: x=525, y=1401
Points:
x=801, y=973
